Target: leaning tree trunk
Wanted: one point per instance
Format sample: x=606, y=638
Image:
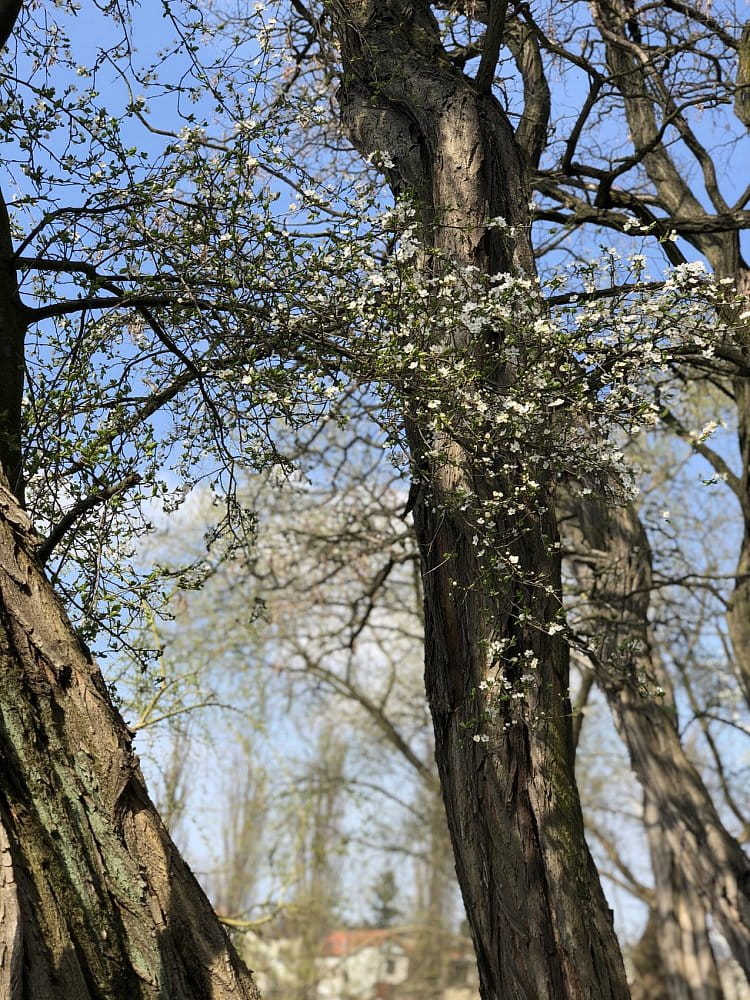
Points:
x=609, y=550
x=612, y=560
x=95, y=901
x=540, y=924
x=686, y=954
x=646, y=106
x=632, y=75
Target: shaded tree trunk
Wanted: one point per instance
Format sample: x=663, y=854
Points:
x=13, y=327
x=686, y=956
x=97, y=902
x=697, y=863
x=649, y=975
x=540, y=925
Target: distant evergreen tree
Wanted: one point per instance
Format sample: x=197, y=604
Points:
x=385, y=892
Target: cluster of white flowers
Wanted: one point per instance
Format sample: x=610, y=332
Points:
x=500, y=696
x=510, y=395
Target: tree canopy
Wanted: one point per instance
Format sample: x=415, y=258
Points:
x=244, y=255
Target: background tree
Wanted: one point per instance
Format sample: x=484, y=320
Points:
x=385, y=895
x=673, y=42
x=339, y=638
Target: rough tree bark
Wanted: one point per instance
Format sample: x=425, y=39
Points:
x=97, y=904
x=540, y=924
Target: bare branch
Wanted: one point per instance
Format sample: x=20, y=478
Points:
x=45, y=550
x=713, y=458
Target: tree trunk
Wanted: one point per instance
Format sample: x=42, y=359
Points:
x=677, y=198
x=613, y=563
x=708, y=857
x=540, y=924
x=649, y=975
x=686, y=955
x=96, y=902
x=673, y=959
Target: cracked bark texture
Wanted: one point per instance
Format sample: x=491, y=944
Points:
x=540, y=924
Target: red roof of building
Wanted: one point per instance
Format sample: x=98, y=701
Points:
x=340, y=943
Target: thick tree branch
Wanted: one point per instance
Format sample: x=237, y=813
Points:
x=531, y=131
x=493, y=40
x=9, y=11
x=700, y=15
x=95, y=303
x=14, y=322
x=568, y=298
x=637, y=81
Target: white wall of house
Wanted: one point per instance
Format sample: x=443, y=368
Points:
x=355, y=976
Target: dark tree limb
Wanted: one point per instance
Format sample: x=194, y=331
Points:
x=83, y=506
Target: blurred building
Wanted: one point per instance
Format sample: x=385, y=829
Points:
x=363, y=964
